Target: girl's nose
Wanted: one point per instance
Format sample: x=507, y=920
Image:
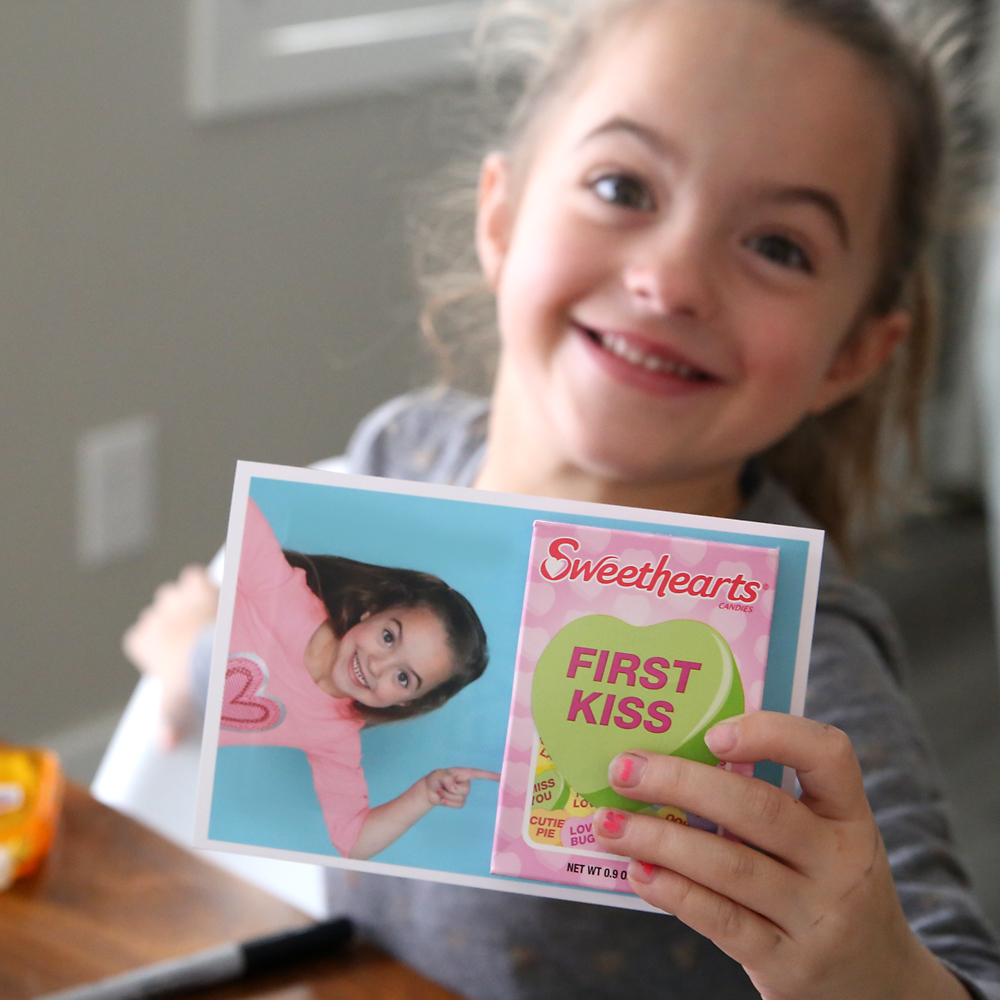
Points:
x=669, y=275
x=383, y=664
x=376, y=664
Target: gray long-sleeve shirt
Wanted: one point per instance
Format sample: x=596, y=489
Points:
x=499, y=946
x=490, y=945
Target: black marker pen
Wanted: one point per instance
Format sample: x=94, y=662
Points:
x=217, y=965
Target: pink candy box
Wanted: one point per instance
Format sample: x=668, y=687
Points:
x=629, y=640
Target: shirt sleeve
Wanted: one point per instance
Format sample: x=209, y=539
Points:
x=200, y=667
x=851, y=686
x=343, y=796
x=262, y=563
x=431, y=435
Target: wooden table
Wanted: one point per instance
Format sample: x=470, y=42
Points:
x=114, y=896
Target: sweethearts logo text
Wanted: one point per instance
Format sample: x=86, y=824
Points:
x=560, y=563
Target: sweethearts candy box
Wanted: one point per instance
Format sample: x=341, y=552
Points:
x=628, y=640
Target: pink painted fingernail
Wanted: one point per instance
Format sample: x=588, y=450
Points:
x=642, y=871
x=722, y=738
x=627, y=770
x=613, y=823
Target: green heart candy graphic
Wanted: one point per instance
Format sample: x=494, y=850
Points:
x=683, y=677
x=550, y=790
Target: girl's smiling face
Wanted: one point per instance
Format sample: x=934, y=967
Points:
x=389, y=657
x=683, y=265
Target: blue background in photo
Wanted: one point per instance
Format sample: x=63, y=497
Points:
x=263, y=796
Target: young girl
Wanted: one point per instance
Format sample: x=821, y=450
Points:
x=704, y=232
x=320, y=647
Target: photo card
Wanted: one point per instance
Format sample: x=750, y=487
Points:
x=429, y=681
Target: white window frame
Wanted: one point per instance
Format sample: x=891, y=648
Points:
x=245, y=58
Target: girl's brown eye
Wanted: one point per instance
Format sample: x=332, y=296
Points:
x=403, y=679
x=625, y=191
x=387, y=637
x=781, y=250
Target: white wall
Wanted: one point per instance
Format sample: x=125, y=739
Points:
x=246, y=284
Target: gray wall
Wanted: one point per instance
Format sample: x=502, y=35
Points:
x=246, y=284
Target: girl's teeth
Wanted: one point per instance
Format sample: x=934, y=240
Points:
x=358, y=675
x=620, y=347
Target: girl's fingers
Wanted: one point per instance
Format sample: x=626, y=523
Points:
x=754, y=810
x=467, y=773
x=747, y=877
x=822, y=756
x=757, y=812
x=450, y=785
x=742, y=934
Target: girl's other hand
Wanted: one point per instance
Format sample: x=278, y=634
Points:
x=813, y=912
x=159, y=644
x=384, y=824
x=449, y=786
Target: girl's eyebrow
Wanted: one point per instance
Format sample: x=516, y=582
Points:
x=662, y=146
x=420, y=680
x=650, y=137
x=823, y=200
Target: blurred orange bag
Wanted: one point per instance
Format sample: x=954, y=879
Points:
x=31, y=786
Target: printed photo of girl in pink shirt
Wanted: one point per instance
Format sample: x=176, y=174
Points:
x=322, y=647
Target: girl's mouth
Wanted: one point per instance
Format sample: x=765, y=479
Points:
x=359, y=677
x=648, y=366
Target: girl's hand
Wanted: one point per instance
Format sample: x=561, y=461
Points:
x=813, y=912
x=449, y=786
x=384, y=824
x=159, y=644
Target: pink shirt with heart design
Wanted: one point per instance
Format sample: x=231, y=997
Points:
x=271, y=700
